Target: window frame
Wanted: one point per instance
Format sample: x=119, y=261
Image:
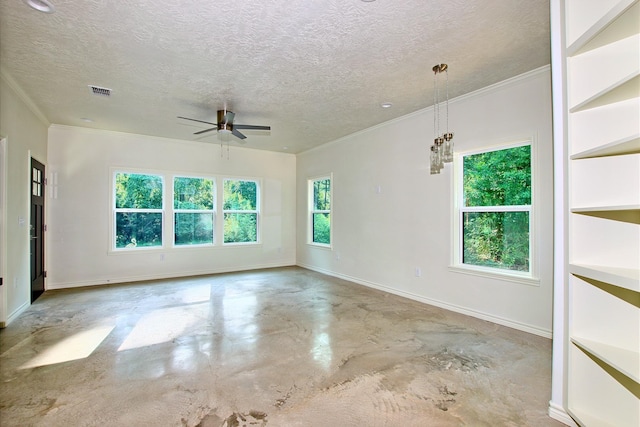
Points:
x=246, y=211
x=115, y=210
x=312, y=211
x=458, y=210
x=212, y=211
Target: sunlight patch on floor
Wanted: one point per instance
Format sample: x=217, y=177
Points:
x=77, y=346
x=165, y=325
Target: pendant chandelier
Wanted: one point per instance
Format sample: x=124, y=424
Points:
x=442, y=148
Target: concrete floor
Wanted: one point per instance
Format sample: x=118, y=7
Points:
x=278, y=347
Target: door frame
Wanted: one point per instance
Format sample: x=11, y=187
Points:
x=39, y=233
x=3, y=231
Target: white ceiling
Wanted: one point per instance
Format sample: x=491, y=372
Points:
x=315, y=70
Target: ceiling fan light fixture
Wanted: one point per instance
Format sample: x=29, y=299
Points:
x=44, y=6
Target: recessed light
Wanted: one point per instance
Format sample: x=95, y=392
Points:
x=285, y=148
x=385, y=104
x=367, y=1
x=86, y=119
x=41, y=5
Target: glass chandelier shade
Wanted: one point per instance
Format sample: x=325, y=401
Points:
x=442, y=148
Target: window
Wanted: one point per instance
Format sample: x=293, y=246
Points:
x=320, y=209
x=138, y=210
x=240, y=211
x=193, y=211
x=494, y=211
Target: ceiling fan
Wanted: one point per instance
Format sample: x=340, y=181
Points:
x=225, y=125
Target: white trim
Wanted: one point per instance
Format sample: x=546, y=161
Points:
x=497, y=146
x=257, y=211
x=492, y=273
x=504, y=208
x=457, y=209
x=559, y=414
x=505, y=83
x=3, y=231
x=161, y=276
x=311, y=210
x=4, y=75
x=545, y=333
x=168, y=211
x=211, y=211
x=560, y=354
x=155, y=139
x=114, y=212
x=13, y=316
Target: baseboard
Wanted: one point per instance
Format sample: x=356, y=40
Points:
x=559, y=414
x=447, y=306
x=147, y=277
x=13, y=316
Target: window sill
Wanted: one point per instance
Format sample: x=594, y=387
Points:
x=498, y=275
x=319, y=245
x=136, y=250
x=239, y=244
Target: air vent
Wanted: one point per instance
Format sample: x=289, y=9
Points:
x=100, y=91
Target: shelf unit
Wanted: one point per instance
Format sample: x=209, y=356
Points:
x=602, y=83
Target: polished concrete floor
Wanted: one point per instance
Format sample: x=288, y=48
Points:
x=277, y=347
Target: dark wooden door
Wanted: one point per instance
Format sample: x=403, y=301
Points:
x=37, y=229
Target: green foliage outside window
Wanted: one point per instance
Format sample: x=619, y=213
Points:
x=322, y=228
x=138, y=191
x=321, y=216
x=193, y=193
x=497, y=236
x=240, y=205
x=193, y=201
x=496, y=239
x=138, y=210
x=322, y=195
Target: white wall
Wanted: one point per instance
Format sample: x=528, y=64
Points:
x=25, y=130
x=78, y=246
x=380, y=238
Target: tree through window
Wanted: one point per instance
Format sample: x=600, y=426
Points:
x=321, y=210
x=495, y=212
x=193, y=204
x=240, y=209
x=138, y=210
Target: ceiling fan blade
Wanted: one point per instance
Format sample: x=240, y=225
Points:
x=228, y=118
x=206, y=130
x=236, y=133
x=196, y=120
x=254, y=127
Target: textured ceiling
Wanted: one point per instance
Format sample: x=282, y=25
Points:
x=313, y=70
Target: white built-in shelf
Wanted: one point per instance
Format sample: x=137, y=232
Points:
x=626, y=88
x=629, y=145
x=622, y=360
x=620, y=21
x=627, y=278
x=602, y=83
x=625, y=213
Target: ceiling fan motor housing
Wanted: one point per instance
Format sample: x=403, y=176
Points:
x=225, y=121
